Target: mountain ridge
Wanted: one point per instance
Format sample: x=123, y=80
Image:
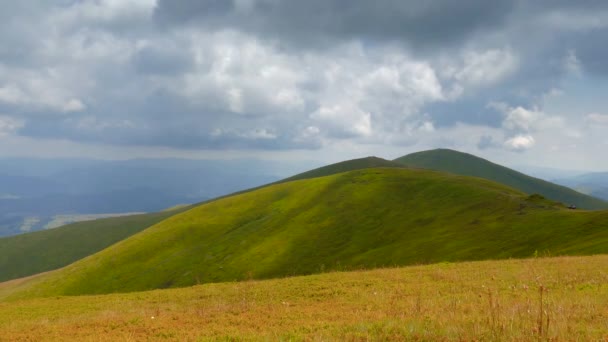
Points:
x=470, y=165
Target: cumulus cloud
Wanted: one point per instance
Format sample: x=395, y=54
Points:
x=520, y=118
x=597, y=119
x=479, y=68
x=520, y=142
x=281, y=75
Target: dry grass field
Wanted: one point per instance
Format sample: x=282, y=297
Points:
x=543, y=299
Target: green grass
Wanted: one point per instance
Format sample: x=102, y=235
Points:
x=42, y=251
x=27, y=254
x=345, y=166
x=470, y=165
x=478, y=301
x=328, y=170
x=360, y=219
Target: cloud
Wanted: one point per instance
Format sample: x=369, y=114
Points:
x=520, y=142
x=519, y=118
x=9, y=126
x=597, y=119
x=344, y=120
x=572, y=64
x=73, y=105
x=485, y=67
x=321, y=22
x=297, y=75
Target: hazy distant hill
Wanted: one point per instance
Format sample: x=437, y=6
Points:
x=33, y=191
x=470, y=165
x=365, y=218
x=594, y=184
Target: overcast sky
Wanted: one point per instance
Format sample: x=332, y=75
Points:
x=519, y=82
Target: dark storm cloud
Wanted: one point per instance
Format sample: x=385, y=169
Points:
x=419, y=23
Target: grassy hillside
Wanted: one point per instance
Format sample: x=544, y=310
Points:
x=31, y=253
x=365, y=218
x=470, y=165
x=345, y=166
x=328, y=170
x=478, y=301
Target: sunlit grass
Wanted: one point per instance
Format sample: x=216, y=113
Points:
x=484, y=301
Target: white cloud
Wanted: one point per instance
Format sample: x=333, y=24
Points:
x=9, y=125
x=475, y=68
x=103, y=12
x=572, y=64
x=260, y=134
x=10, y=94
x=73, y=105
x=522, y=118
x=344, y=120
x=520, y=142
x=345, y=92
x=487, y=67
x=575, y=20
x=79, y=62
x=597, y=118
x=240, y=75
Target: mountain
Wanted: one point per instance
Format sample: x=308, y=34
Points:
x=348, y=165
x=34, y=191
x=547, y=173
x=594, y=184
x=470, y=165
x=359, y=219
x=27, y=254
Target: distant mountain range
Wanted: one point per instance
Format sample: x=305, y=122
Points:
x=34, y=191
x=594, y=184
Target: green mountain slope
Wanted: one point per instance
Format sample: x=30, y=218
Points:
x=37, y=252
x=345, y=166
x=27, y=254
x=365, y=218
x=328, y=170
x=470, y=165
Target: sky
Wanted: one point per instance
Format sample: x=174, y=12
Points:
x=518, y=82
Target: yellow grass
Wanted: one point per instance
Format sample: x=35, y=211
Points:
x=485, y=301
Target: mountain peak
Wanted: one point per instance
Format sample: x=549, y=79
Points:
x=466, y=164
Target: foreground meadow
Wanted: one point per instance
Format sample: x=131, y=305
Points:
x=563, y=298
